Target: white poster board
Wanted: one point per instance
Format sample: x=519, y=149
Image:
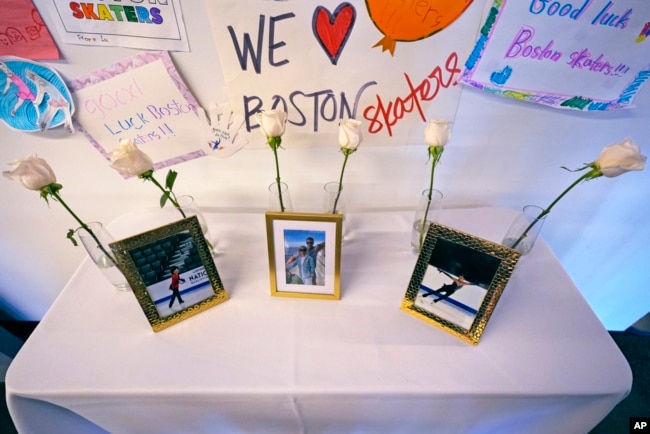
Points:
x=141, y=98
x=390, y=65
x=582, y=54
x=153, y=25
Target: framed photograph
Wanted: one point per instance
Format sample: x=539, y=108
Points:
x=171, y=272
x=457, y=281
x=304, y=254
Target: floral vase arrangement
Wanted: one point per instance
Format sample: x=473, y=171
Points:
x=436, y=136
x=129, y=160
x=349, y=140
x=273, y=124
x=614, y=160
x=35, y=173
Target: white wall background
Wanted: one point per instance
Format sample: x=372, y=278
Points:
x=503, y=153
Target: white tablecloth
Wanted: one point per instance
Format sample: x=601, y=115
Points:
x=257, y=363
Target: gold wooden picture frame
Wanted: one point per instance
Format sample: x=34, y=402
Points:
x=150, y=259
x=304, y=254
x=457, y=281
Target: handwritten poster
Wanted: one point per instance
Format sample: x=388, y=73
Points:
x=575, y=54
x=23, y=33
x=391, y=64
x=152, y=24
x=143, y=99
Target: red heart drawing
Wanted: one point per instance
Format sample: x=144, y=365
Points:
x=332, y=30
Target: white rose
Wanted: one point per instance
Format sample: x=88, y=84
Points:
x=619, y=158
x=272, y=122
x=350, y=134
x=129, y=160
x=32, y=172
x=437, y=132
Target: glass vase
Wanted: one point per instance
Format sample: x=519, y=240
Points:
x=333, y=202
x=427, y=211
x=274, y=197
x=524, y=230
x=190, y=208
x=100, y=252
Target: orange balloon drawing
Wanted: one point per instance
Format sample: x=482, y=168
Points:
x=412, y=20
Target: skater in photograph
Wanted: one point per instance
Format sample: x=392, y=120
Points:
x=448, y=289
x=174, y=287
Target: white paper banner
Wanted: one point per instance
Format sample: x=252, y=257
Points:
x=581, y=54
x=390, y=64
x=155, y=24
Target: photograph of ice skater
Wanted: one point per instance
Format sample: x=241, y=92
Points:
x=174, y=287
x=447, y=289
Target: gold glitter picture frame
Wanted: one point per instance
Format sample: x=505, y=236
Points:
x=304, y=254
x=171, y=272
x=457, y=281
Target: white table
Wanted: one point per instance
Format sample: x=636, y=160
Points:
x=257, y=363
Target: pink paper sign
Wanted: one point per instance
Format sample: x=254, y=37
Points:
x=23, y=32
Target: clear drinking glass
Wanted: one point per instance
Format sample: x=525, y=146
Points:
x=100, y=252
x=274, y=197
x=333, y=202
x=524, y=230
x=427, y=211
x=190, y=208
